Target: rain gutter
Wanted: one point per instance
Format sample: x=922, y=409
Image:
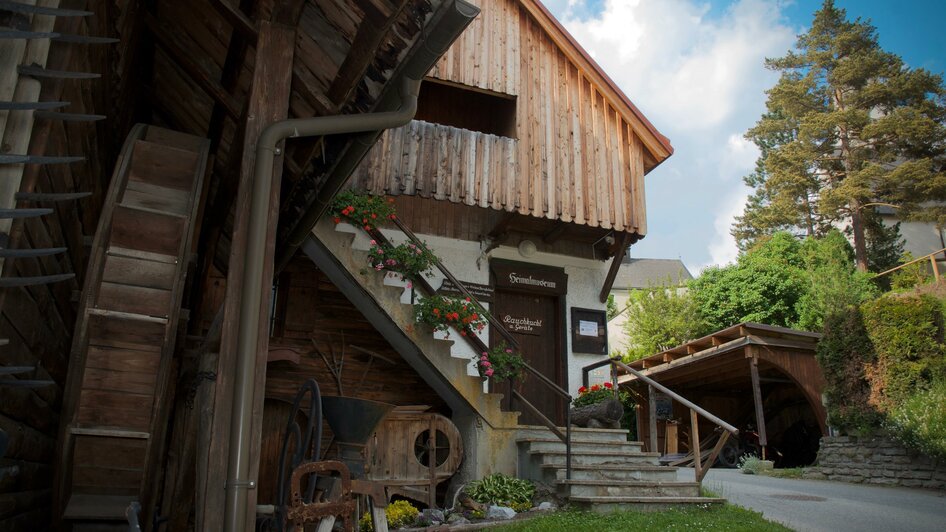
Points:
x=448, y=21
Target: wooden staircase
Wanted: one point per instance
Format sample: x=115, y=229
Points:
x=608, y=472
x=115, y=412
x=348, y=248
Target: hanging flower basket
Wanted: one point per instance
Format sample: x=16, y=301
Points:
x=441, y=313
x=362, y=210
x=500, y=363
x=408, y=259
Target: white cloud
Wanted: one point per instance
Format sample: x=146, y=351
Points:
x=698, y=75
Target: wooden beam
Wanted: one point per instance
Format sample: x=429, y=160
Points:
x=695, y=445
x=241, y=24
x=757, y=399
x=268, y=103
x=652, y=417
x=555, y=233
x=369, y=37
x=192, y=65
x=625, y=240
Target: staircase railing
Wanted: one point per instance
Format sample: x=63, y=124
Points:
x=699, y=465
x=930, y=256
x=479, y=346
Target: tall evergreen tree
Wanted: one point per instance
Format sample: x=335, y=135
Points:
x=847, y=124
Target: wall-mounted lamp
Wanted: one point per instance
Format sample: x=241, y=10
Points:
x=527, y=248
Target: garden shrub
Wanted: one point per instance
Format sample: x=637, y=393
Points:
x=907, y=334
x=501, y=490
x=920, y=422
x=846, y=355
x=399, y=514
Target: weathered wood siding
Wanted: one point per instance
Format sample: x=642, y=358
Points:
x=577, y=157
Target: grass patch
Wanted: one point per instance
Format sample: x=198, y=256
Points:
x=788, y=472
x=717, y=517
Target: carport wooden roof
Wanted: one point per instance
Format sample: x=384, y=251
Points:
x=724, y=341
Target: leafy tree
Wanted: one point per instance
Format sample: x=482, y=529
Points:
x=763, y=286
x=833, y=283
x=884, y=244
x=660, y=318
x=847, y=124
x=784, y=282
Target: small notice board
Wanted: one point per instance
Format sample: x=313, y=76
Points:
x=589, y=331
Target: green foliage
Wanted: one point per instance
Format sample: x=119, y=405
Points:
x=845, y=354
x=832, y=280
x=612, y=308
x=721, y=517
x=660, y=318
x=399, y=513
x=501, y=490
x=846, y=124
x=907, y=333
x=884, y=244
x=407, y=259
x=596, y=393
x=909, y=276
x=500, y=363
x=879, y=360
x=362, y=209
x=750, y=464
x=763, y=286
x=442, y=312
x=784, y=282
x=920, y=422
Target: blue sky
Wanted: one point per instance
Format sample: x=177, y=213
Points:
x=695, y=69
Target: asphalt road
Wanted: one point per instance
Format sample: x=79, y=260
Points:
x=816, y=505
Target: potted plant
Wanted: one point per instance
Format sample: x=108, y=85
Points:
x=443, y=312
x=500, y=363
x=362, y=210
x=407, y=259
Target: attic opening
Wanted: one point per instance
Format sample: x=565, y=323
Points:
x=466, y=108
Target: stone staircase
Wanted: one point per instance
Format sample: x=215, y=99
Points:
x=341, y=251
x=608, y=472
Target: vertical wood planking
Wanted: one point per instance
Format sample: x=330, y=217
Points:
x=576, y=157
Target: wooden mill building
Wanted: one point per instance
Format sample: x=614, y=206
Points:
x=133, y=135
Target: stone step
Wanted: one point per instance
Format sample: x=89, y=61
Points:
x=627, y=488
x=552, y=473
x=578, y=433
x=606, y=505
x=557, y=445
x=604, y=458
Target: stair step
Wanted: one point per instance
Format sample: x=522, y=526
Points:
x=612, y=504
x=553, y=472
x=105, y=313
x=578, y=433
x=557, y=445
x=93, y=506
x=628, y=488
x=596, y=457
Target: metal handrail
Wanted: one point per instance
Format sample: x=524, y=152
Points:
x=480, y=346
x=700, y=466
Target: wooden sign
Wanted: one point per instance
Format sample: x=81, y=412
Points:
x=482, y=292
x=529, y=277
x=523, y=324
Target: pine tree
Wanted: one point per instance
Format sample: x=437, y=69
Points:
x=847, y=124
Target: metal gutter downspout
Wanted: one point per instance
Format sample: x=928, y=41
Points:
x=248, y=335
x=448, y=22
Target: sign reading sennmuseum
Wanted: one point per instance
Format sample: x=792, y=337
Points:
x=529, y=277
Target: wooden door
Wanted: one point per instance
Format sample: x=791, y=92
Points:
x=533, y=321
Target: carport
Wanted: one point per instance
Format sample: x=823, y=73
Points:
x=762, y=379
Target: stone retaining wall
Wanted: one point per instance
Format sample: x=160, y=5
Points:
x=875, y=460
